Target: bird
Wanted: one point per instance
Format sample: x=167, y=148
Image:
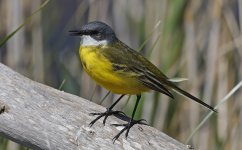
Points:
x=121, y=70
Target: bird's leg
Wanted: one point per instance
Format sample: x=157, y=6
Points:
x=130, y=123
x=107, y=113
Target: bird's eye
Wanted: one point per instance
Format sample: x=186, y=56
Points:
x=98, y=36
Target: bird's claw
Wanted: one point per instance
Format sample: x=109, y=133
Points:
x=94, y=114
x=127, y=127
x=105, y=114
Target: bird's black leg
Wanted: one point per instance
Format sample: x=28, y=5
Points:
x=107, y=113
x=131, y=122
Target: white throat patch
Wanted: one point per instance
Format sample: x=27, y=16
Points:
x=87, y=40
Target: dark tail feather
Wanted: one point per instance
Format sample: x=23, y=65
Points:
x=177, y=89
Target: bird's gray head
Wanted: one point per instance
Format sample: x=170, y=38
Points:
x=95, y=33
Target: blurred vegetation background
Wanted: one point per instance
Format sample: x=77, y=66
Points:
x=200, y=40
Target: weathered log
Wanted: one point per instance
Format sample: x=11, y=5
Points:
x=41, y=117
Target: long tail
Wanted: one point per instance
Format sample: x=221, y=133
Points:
x=177, y=89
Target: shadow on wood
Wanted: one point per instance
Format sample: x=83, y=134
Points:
x=41, y=117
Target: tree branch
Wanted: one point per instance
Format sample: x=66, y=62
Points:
x=41, y=117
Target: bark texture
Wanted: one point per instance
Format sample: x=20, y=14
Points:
x=41, y=117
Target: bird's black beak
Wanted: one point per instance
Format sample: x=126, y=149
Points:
x=76, y=32
x=82, y=32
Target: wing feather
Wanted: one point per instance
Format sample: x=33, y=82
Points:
x=129, y=61
x=133, y=64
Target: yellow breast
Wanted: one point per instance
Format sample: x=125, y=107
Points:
x=100, y=69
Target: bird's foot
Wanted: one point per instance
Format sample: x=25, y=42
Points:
x=105, y=114
x=128, y=126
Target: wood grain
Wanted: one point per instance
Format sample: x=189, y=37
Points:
x=41, y=117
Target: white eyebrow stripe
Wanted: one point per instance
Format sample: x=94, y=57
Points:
x=87, y=40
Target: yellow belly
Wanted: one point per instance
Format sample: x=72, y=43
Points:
x=100, y=70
